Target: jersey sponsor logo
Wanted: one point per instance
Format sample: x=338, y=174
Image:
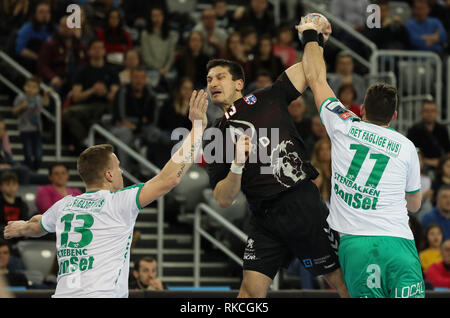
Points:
x=250, y=99
x=341, y=111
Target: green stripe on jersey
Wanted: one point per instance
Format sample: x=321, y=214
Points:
x=415, y=191
x=139, y=185
x=44, y=227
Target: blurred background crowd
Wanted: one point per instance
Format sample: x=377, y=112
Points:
x=132, y=65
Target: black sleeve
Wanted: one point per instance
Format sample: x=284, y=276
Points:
x=23, y=210
x=283, y=88
x=216, y=171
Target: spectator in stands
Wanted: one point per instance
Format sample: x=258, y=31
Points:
x=59, y=56
x=214, y=37
x=430, y=136
x=235, y=52
x=347, y=96
x=33, y=34
x=321, y=160
x=4, y=138
x=13, y=277
x=191, y=61
x=431, y=253
x=352, y=13
x=426, y=189
x=318, y=131
x=257, y=15
x=439, y=274
x=263, y=79
x=145, y=275
x=28, y=108
x=174, y=113
x=12, y=207
x=265, y=59
x=136, y=11
x=158, y=47
x=392, y=35
x=345, y=75
x=6, y=158
x=440, y=214
x=13, y=14
x=134, y=113
x=425, y=33
x=47, y=195
x=442, y=174
x=116, y=39
x=94, y=88
x=297, y=109
x=97, y=12
x=132, y=59
x=224, y=17
x=86, y=33
x=284, y=47
x=249, y=39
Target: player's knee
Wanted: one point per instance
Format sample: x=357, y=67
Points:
x=249, y=290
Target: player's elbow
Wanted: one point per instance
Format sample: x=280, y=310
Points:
x=172, y=183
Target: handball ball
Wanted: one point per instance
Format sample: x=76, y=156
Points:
x=322, y=20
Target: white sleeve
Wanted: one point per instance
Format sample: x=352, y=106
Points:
x=127, y=201
x=334, y=115
x=413, y=181
x=50, y=217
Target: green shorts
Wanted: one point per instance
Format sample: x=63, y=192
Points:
x=381, y=267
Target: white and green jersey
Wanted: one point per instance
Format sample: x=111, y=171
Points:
x=372, y=169
x=93, y=238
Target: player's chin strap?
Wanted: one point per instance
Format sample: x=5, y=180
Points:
x=312, y=36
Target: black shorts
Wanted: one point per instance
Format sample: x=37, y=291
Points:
x=292, y=225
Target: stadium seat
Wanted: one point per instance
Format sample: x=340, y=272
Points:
x=189, y=191
x=28, y=194
x=237, y=211
x=37, y=255
x=35, y=277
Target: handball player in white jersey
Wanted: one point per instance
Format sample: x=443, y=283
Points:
x=94, y=230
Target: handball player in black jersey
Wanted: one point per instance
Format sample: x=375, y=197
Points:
x=288, y=216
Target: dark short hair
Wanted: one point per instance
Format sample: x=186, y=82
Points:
x=9, y=176
x=443, y=188
x=429, y=101
x=33, y=79
x=93, y=41
x=149, y=259
x=380, y=103
x=93, y=162
x=3, y=243
x=57, y=164
x=235, y=69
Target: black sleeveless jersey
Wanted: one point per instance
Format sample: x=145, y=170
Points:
x=277, y=158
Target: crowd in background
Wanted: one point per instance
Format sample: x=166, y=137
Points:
x=133, y=64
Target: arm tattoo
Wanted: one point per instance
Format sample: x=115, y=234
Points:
x=188, y=157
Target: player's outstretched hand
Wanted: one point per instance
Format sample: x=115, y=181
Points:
x=314, y=21
x=14, y=229
x=198, y=104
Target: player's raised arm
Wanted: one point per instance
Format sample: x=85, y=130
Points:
x=30, y=228
x=181, y=161
x=313, y=62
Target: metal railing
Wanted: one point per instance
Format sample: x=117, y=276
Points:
x=200, y=232
x=96, y=128
x=56, y=119
x=419, y=76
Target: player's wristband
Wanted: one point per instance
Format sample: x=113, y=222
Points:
x=310, y=36
x=236, y=169
x=320, y=39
